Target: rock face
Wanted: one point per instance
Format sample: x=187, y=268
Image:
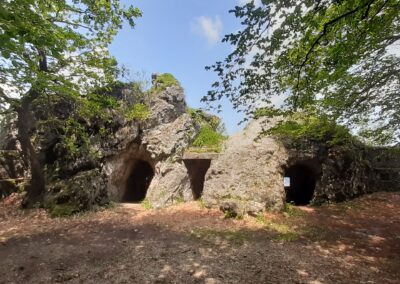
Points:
x=135, y=160
x=146, y=156
x=12, y=167
x=249, y=175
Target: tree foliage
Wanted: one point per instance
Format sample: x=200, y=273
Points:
x=58, y=46
x=54, y=52
x=337, y=57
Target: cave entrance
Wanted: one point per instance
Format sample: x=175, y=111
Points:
x=140, y=175
x=197, y=169
x=299, y=182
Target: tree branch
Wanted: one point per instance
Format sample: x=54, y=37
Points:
x=316, y=42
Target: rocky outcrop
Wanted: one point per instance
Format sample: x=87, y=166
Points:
x=127, y=156
x=247, y=176
x=131, y=160
x=171, y=184
x=84, y=191
x=12, y=167
x=157, y=143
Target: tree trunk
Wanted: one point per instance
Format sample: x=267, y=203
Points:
x=36, y=188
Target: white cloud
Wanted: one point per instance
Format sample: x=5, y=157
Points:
x=244, y=2
x=209, y=28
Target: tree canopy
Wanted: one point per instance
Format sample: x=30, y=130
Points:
x=55, y=50
x=340, y=59
x=58, y=46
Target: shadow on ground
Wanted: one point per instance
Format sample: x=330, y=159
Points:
x=353, y=242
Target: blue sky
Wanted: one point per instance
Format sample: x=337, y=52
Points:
x=180, y=37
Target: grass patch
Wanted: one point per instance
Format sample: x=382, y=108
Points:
x=284, y=232
x=63, y=210
x=229, y=214
x=291, y=210
x=146, y=204
x=219, y=237
x=201, y=203
x=179, y=200
x=110, y=205
x=260, y=219
x=201, y=150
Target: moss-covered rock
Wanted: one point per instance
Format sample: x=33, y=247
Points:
x=63, y=210
x=162, y=81
x=84, y=191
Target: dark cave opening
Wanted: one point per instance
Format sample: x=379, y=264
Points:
x=138, y=181
x=197, y=169
x=300, y=181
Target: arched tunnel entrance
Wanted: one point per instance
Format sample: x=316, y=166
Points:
x=300, y=181
x=138, y=181
x=197, y=169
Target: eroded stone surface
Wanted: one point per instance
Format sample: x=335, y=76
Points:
x=158, y=141
x=248, y=174
x=171, y=184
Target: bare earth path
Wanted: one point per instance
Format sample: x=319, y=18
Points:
x=352, y=242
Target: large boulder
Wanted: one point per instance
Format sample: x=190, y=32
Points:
x=248, y=174
x=159, y=145
x=171, y=184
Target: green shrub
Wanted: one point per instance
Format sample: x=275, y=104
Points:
x=312, y=127
x=211, y=134
x=292, y=210
x=209, y=138
x=205, y=119
x=164, y=81
x=138, y=112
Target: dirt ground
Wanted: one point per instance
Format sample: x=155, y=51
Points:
x=352, y=242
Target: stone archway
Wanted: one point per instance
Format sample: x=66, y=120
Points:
x=300, y=182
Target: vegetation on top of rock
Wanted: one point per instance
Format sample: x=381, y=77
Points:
x=209, y=140
x=138, y=112
x=211, y=134
x=163, y=81
x=205, y=119
x=305, y=125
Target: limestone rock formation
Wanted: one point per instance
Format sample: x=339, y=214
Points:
x=140, y=159
x=170, y=184
x=135, y=159
x=12, y=167
x=248, y=174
